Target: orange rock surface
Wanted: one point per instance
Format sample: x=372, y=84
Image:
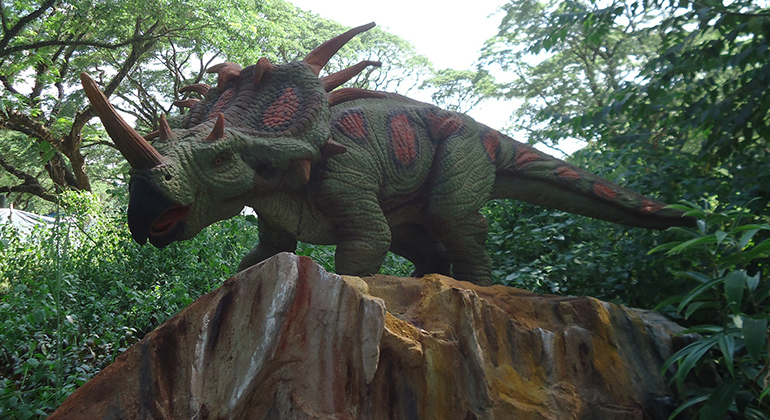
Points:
x=286, y=340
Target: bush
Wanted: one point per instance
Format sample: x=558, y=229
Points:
x=74, y=297
x=730, y=302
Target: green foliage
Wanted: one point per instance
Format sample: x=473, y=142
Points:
x=731, y=303
x=75, y=297
x=141, y=60
x=550, y=251
x=460, y=90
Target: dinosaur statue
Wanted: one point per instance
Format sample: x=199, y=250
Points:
x=368, y=171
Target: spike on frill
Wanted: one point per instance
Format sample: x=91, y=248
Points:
x=333, y=80
x=226, y=73
x=201, y=88
x=187, y=103
x=164, y=132
x=218, y=132
x=263, y=66
x=318, y=58
x=349, y=94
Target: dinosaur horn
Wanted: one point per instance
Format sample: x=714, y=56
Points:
x=164, y=132
x=218, y=132
x=318, y=58
x=263, y=66
x=335, y=79
x=187, y=103
x=201, y=88
x=225, y=73
x=137, y=151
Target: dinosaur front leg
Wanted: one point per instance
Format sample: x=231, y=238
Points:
x=417, y=244
x=363, y=235
x=272, y=240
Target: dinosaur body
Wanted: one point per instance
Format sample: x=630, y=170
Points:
x=366, y=171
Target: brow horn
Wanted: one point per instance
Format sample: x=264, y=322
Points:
x=137, y=151
x=318, y=58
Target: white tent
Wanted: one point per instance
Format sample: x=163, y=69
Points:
x=23, y=221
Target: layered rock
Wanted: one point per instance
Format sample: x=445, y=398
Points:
x=286, y=340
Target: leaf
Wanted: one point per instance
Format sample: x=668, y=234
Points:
x=759, y=251
x=697, y=276
x=689, y=403
x=755, y=336
x=720, y=400
x=688, y=357
x=753, y=281
x=727, y=347
x=708, y=239
x=697, y=292
x=735, y=283
x=746, y=238
x=721, y=235
x=700, y=329
x=694, y=307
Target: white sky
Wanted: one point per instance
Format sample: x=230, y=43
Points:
x=450, y=36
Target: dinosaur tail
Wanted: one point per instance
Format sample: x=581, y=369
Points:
x=527, y=174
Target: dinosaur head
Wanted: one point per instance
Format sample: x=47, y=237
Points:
x=258, y=131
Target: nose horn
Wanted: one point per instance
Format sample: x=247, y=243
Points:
x=137, y=151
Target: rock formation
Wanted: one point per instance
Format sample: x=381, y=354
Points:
x=287, y=340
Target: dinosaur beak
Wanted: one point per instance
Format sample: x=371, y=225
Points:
x=153, y=216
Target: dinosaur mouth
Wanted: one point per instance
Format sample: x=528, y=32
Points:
x=153, y=216
x=168, y=226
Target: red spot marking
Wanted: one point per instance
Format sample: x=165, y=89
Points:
x=491, y=143
x=567, y=172
x=649, y=206
x=352, y=125
x=222, y=103
x=280, y=112
x=526, y=155
x=403, y=138
x=444, y=125
x=604, y=191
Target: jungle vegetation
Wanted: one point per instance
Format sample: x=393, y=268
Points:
x=667, y=96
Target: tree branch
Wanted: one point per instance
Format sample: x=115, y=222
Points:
x=21, y=23
x=30, y=184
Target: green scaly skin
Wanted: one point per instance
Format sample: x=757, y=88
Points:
x=411, y=180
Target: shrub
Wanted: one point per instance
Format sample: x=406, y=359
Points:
x=730, y=302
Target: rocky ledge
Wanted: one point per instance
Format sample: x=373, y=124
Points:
x=287, y=340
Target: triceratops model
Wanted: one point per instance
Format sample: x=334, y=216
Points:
x=368, y=171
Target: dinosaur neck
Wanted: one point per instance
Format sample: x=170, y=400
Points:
x=294, y=213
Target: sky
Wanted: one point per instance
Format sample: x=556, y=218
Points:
x=450, y=36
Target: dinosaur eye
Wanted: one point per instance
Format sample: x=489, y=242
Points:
x=221, y=160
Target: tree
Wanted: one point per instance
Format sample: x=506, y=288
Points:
x=461, y=90
x=566, y=57
x=142, y=59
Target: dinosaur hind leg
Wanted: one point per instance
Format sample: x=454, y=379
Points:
x=417, y=244
x=465, y=239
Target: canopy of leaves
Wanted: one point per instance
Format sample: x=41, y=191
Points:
x=141, y=52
